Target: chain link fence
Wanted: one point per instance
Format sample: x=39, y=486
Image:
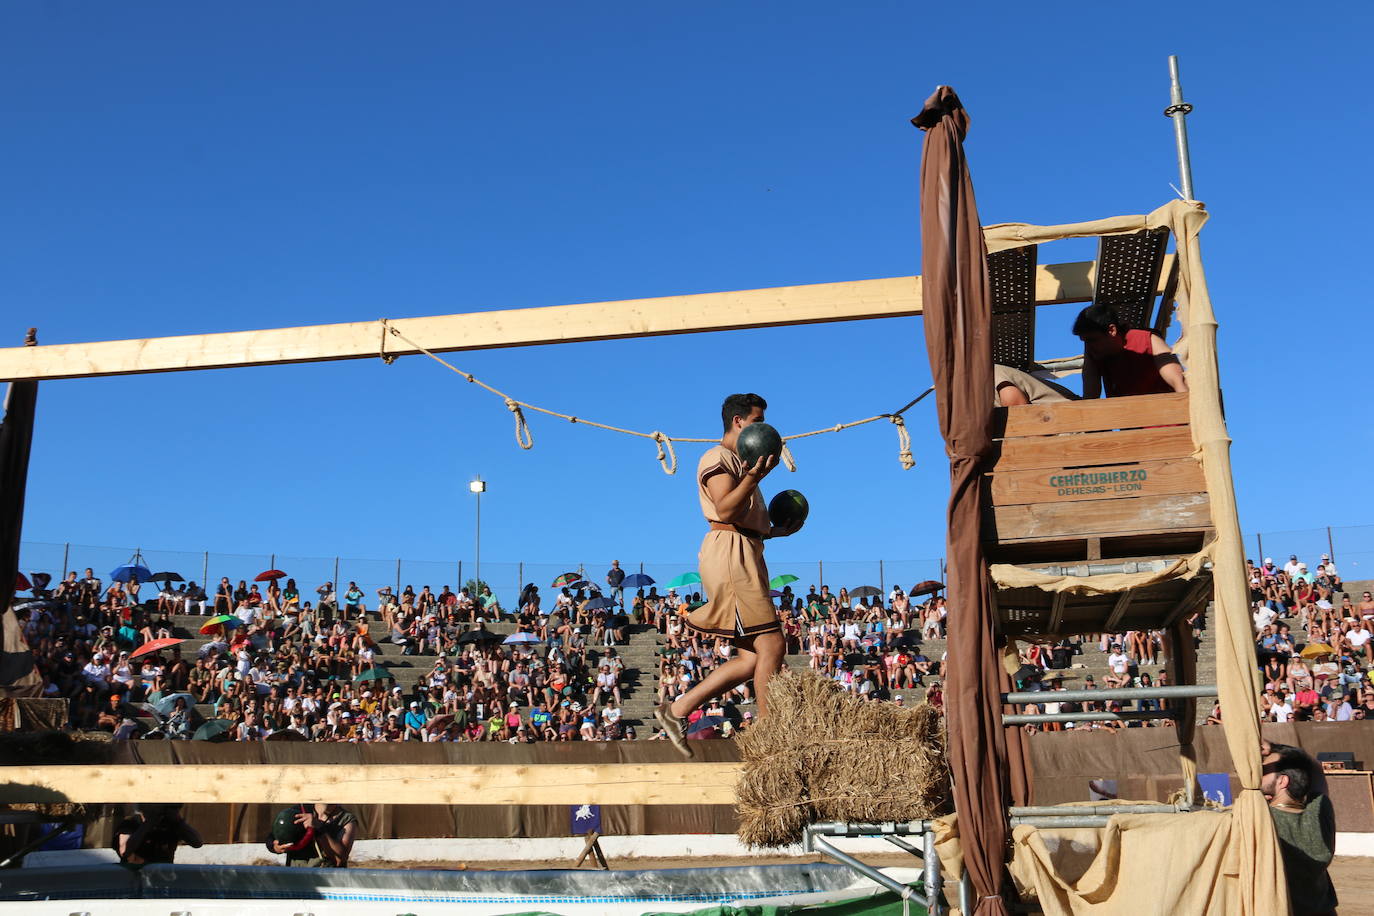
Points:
x=504, y=578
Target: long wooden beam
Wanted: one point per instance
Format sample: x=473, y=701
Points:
x=892, y=297
x=505, y=784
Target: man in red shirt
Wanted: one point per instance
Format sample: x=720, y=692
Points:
x=1123, y=360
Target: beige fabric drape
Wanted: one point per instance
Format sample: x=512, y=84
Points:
x=1247, y=836
x=1008, y=576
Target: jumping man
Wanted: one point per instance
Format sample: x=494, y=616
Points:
x=733, y=573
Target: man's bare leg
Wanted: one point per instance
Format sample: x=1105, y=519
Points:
x=731, y=674
x=770, y=651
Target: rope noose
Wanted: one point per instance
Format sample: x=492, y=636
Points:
x=668, y=459
x=523, y=437
x=787, y=458
x=903, y=443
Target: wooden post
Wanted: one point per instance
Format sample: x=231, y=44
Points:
x=593, y=847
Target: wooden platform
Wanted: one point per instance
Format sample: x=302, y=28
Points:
x=1087, y=480
x=1107, y=483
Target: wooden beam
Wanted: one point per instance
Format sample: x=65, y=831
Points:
x=428, y=784
x=1197, y=594
x=892, y=297
x=1057, y=610
x=1123, y=601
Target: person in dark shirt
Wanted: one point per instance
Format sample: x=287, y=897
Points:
x=330, y=832
x=615, y=578
x=1305, y=822
x=152, y=834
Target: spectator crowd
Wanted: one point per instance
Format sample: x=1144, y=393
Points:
x=278, y=666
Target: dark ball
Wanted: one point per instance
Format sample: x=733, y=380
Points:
x=757, y=440
x=285, y=829
x=788, y=509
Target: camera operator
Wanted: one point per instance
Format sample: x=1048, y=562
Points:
x=152, y=834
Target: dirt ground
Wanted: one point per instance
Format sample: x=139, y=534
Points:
x=1354, y=876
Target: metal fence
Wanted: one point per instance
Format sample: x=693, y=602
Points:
x=1351, y=547
x=506, y=579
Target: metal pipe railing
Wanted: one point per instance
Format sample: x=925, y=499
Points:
x=1035, y=718
x=1167, y=692
x=871, y=873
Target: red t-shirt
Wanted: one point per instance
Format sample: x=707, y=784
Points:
x=1133, y=370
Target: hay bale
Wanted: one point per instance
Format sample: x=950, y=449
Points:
x=823, y=755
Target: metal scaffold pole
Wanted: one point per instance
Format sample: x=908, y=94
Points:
x=1178, y=110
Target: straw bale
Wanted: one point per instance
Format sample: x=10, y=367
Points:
x=822, y=754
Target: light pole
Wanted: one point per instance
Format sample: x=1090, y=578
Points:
x=478, y=486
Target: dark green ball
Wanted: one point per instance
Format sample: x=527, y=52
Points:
x=788, y=509
x=285, y=829
x=757, y=440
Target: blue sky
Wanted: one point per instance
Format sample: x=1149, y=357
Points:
x=175, y=168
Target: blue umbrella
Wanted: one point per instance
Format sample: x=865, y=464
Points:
x=130, y=573
x=599, y=603
x=519, y=638
x=637, y=580
x=705, y=724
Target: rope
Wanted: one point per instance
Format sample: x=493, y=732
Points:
x=667, y=455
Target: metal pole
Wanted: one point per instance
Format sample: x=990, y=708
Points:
x=520, y=576
x=1166, y=692
x=398, y=577
x=66, y=553
x=1330, y=545
x=820, y=573
x=882, y=584
x=1259, y=542
x=477, y=560
x=1125, y=716
x=868, y=871
x=1178, y=110
x=272, y=564
x=935, y=903
x=205, y=571
x=336, y=577
x=461, y=583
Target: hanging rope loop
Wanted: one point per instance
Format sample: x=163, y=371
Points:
x=904, y=455
x=387, y=358
x=667, y=456
x=523, y=437
x=788, y=461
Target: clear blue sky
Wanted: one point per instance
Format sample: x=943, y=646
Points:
x=173, y=168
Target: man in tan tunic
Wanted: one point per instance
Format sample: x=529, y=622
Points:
x=733, y=573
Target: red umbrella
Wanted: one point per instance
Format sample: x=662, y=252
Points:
x=928, y=587
x=154, y=645
x=270, y=575
x=21, y=582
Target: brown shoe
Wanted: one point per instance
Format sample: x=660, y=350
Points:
x=672, y=727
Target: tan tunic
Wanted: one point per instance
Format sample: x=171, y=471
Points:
x=1036, y=390
x=733, y=573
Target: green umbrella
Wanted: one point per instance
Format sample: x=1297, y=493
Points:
x=689, y=578
x=213, y=730
x=784, y=579
x=375, y=674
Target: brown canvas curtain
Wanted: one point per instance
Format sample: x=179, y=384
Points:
x=17, y=675
x=958, y=325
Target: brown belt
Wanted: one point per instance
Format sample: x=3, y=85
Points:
x=738, y=529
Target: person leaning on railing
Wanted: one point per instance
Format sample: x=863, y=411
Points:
x=1123, y=360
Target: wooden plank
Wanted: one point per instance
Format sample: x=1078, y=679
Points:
x=1123, y=601
x=1147, y=478
x=428, y=784
x=1085, y=450
x=1199, y=593
x=854, y=300
x=1091, y=416
x=1057, y=605
x=1140, y=515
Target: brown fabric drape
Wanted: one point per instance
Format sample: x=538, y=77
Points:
x=17, y=675
x=956, y=301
